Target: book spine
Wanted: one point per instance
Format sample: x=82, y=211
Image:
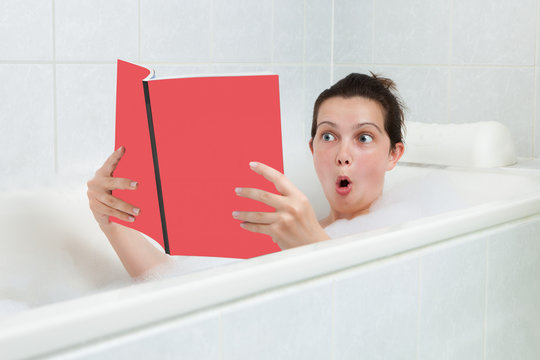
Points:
x=156, y=166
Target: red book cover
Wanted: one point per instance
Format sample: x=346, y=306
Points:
x=189, y=141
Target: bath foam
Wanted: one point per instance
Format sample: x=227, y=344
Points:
x=182, y=265
x=52, y=250
x=404, y=201
x=483, y=144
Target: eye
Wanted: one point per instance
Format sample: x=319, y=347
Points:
x=365, y=138
x=328, y=137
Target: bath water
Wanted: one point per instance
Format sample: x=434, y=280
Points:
x=52, y=250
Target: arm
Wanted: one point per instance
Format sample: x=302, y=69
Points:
x=136, y=253
x=293, y=223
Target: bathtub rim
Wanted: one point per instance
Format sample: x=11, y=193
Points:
x=94, y=317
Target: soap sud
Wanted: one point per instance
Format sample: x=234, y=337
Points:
x=8, y=307
x=181, y=265
x=405, y=201
x=51, y=250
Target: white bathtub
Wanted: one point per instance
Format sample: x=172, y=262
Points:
x=462, y=284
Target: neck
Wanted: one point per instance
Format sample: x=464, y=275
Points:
x=336, y=215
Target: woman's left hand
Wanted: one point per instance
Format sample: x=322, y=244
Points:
x=293, y=223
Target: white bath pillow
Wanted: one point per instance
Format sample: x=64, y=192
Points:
x=483, y=144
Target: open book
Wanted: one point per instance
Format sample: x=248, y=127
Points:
x=189, y=141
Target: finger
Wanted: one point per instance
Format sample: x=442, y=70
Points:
x=112, y=183
x=111, y=162
x=258, y=228
x=280, y=181
x=256, y=217
x=106, y=210
x=118, y=204
x=272, y=200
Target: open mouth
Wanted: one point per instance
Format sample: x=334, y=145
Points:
x=343, y=185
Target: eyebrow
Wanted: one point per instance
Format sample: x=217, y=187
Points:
x=356, y=126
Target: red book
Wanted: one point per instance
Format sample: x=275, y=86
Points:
x=189, y=141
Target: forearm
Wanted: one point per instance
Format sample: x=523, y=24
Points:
x=136, y=253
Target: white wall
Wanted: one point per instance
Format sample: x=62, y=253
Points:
x=454, y=61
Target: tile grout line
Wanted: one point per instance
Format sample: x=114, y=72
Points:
x=332, y=44
x=212, y=46
x=304, y=92
x=55, y=110
x=373, y=28
x=220, y=336
x=419, y=306
x=484, y=327
x=448, y=60
x=273, y=40
x=139, y=34
x=449, y=66
x=333, y=325
x=535, y=91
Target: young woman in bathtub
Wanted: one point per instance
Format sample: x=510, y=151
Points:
x=356, y=136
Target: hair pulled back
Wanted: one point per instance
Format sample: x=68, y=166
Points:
x=372, y=87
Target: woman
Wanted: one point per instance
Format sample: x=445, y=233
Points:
x=356, y=136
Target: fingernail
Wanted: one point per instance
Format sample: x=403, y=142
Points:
x=133, y=184
x=242, y=225
x=131, y=219
x=253, y=164
x=120, y=148
x=235, y=214
x=238, y=190
x=136, y=211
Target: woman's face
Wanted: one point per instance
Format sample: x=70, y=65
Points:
x=351, y=153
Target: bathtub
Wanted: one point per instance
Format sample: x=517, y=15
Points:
x=459, y=284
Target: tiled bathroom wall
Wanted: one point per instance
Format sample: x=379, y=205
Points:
x=453, y=61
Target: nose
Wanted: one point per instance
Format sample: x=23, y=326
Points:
x=343, y=156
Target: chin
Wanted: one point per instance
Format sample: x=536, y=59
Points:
x=349, y=211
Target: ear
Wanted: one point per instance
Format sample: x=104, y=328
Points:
x=394, y=155
x=311, y=146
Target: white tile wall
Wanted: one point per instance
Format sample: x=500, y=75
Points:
x=318, y=31
x=501, y=94
x=452, y=300
x=411, y=32
x=291, y=87
x=96, y=30
x=288, y=33
x=353, y=31
x=242, y=31
x=513, y=290
x=172, y=30
x=194, y=337
x=376, y=312
x=536, y=123
x=493, y=32
x=26, y=30
x=424, y=91
x=294, y=323
x=85, y=98
x=317, y=78
x=454, y=61
x=27, y=139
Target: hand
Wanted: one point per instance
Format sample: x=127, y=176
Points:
x=100, y=187
x=293, y=223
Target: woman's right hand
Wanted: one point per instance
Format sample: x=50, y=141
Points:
x=100, y=187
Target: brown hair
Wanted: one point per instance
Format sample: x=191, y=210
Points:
x=372, y=87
